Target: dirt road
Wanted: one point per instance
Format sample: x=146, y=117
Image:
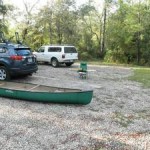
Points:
x=117, y=118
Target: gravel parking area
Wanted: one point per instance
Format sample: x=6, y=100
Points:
x=117, y=118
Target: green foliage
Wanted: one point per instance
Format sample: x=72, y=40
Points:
x=4, y=9
x=85, y=56
x=116, y=56
x=109, y=56
x=127, y=29
x=127, y=33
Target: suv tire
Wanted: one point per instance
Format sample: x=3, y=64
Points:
x=4, y=74
x=55, y=62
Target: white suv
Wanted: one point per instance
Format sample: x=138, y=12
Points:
x=57, y=55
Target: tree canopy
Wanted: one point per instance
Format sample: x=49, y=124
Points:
x=119, y=32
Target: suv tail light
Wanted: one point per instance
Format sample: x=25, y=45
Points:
x=14, y=57
x=63, y=55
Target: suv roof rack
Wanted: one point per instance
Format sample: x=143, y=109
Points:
x=2, y=38
x=18, y=43
x=17, y=38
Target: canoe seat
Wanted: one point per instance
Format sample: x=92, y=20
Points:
x=33, y=88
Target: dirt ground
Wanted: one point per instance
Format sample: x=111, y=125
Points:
x=118, y=118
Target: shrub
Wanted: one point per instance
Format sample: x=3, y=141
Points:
x=85, y=56
x=116, y=56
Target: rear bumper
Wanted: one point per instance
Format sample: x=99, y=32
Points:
x=18, y=71
x=68, y=60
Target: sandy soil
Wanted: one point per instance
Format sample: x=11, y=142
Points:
x=117, y=118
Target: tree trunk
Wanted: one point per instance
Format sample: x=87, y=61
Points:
x=103, y=31
x=138, y=49
x=138, y=39
x=50, y=28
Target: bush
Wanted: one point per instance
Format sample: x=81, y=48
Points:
x=85, y=56
x=116, y=56
x=109, y=56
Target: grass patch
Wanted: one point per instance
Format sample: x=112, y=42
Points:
x=100, y=62
x=141, y=75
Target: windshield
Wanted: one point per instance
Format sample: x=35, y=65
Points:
x=70, y=50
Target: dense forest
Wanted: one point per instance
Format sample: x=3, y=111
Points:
x=118, y=32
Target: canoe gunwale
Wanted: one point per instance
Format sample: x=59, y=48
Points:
x=82, y=91
x=20, y=88
x=72, y=96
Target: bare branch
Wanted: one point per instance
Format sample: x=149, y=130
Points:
x=29, y=9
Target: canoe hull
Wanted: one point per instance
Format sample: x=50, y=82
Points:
x=82, y=97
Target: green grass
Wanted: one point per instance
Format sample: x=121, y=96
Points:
x=99, y=62
x=141, y=75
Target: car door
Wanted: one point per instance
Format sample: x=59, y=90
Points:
x=55, y=52
x=40, y=54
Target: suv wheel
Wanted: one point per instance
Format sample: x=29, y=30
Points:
x=55, y=62
x=4, y=74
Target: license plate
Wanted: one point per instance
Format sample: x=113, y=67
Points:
x=29, y=60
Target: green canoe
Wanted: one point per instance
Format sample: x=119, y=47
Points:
x=42, y=93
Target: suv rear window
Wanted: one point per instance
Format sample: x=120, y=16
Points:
x=23, y=51
x=70, y=50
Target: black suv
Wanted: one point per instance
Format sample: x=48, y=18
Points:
x=16, y=59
